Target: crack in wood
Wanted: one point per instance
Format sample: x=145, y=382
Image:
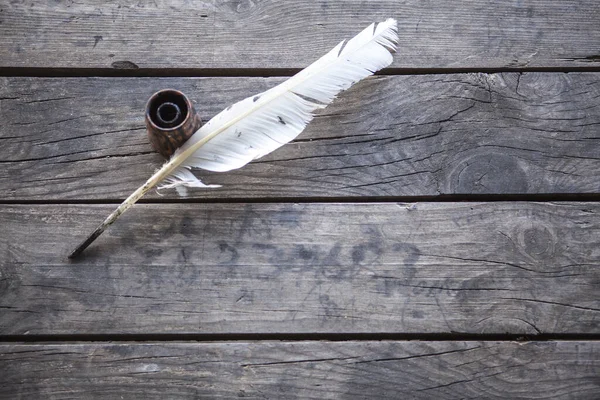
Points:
x=315, y=360
x=377, y=360
x=553, y=303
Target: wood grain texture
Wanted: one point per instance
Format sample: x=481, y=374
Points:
x=216, y=270
x=302, y=370
x=490, y=268
x=273, y=34
x=423, y=135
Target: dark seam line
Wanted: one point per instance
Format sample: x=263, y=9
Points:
x=448, y=198
x=335, y=337
x=256, y=72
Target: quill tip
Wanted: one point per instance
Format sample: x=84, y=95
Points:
x=89, y=240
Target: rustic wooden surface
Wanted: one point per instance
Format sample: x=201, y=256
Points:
x=336, y=267
x=239, y=34
x=509, y=133
x=303, y=370
x=490, y=268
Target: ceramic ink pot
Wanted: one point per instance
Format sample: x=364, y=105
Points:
x=170, y=120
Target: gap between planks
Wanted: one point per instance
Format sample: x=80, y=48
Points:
x=297, y=337
x=446, y=198
x=252, y=72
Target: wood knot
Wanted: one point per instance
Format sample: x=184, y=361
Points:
x=537, y=241
x=485, y=172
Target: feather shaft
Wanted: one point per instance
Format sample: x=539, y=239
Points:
x=269, y=119
x=130, y=201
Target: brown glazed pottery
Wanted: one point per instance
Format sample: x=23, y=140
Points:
x=170, y=120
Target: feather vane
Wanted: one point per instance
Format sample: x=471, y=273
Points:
x=260, y=124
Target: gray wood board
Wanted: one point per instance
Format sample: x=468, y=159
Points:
x=420, y=135
x=302, y=370
x=274, y=34
x=483, y=268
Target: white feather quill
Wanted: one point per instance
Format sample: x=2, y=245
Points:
x=258, y=125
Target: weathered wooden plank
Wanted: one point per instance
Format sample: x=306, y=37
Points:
x=84, y=138
x=274, y=34
x=495, y=268
x=302, y=370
